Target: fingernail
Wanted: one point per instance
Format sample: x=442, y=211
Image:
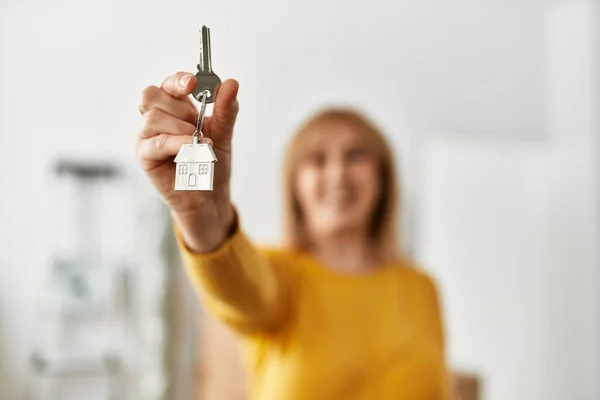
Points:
x=184, y=80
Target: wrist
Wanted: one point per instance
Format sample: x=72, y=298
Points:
x=205, y=231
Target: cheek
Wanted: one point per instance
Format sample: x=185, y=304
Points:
x=307, y=187
x=366, y=178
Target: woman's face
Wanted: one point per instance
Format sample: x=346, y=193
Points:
x=337, y=185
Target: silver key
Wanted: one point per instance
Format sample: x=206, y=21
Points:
x=206, y=79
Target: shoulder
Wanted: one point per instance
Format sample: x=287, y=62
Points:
x=273, y=250
x=280, y=255
x=420, y=279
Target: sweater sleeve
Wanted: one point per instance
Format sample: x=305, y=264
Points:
x=439, y=331
x=429, y=293
x=238, y=284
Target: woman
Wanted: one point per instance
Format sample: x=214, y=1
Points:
x=337, y=313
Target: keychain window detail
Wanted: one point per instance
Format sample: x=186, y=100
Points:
x=183, y=169
x=203, y=169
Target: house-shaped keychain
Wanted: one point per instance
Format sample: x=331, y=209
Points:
x=195, y=167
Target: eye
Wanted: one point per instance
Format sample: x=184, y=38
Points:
x=355, y=155
x=316, y=159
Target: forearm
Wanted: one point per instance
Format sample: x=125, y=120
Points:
x=238, y=283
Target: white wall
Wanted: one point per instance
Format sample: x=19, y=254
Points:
x=511, y=230
x=71, y=77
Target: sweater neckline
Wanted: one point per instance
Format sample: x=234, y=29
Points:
x=381, y=269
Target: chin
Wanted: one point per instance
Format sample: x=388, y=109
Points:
x=342, y=225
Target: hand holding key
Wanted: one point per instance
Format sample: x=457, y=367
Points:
x=169, y=120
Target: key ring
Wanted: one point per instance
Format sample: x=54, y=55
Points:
x=198, y=135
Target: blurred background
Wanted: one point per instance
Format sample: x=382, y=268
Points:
x=492, y=107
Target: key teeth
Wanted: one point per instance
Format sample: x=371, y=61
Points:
x=206, y=78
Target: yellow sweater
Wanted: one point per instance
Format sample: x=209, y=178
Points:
x=309, y=333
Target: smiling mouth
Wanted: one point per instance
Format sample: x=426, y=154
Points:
x=340, y=199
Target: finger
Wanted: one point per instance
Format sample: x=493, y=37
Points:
x=179, y=85
x=157, y=121
x=206, y=140
x=160, y=147
x=225, y=110
x=154, y=97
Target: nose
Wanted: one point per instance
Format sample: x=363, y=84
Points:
x=336, y=171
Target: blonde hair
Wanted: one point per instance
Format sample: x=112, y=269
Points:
x=384, y=229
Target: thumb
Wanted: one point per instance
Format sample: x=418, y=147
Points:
x=226, y=108
x=179, y=85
